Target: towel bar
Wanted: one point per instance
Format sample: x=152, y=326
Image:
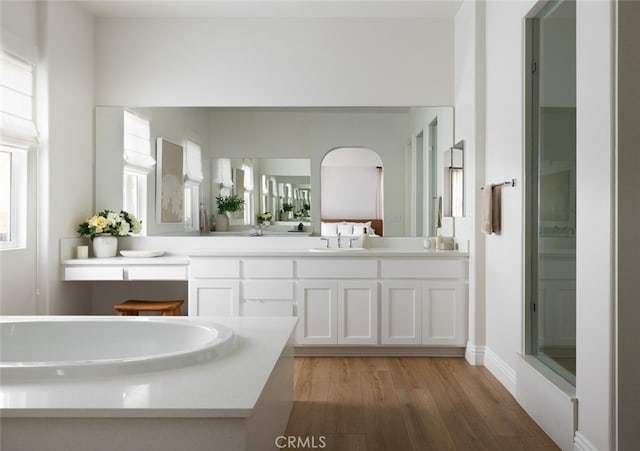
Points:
x=511, y=182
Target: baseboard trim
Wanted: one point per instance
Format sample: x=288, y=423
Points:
x=501, y=370
x=474, y=354
x=375, y=351
x=582, y=443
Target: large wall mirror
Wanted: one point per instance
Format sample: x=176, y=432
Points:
x=274, y=158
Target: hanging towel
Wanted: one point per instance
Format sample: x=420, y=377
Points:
x=496, y=204
x=487, y=209
x=491, y=200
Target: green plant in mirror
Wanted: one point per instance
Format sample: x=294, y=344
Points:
x=229, y=204
x=287, y=207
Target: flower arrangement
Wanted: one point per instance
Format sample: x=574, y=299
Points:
x=111, y=223
x=265, y=217
x=298, y=214
x=229, y=204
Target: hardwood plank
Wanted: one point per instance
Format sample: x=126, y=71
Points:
x=408, y=403
x=345, y=408
x=310, y=398
x=385, y=428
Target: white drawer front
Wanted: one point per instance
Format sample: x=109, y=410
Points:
x=267, y=289
x=436, y=268
x=215, y=268
x=93, y=273
x=156, y=272
x=342, y=268
x=266, y=308
x=268, y=268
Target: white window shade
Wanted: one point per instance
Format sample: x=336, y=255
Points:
x=247, y=167
x=137, y=142
x=17, y=126
x=193, y=162
x=222, y=172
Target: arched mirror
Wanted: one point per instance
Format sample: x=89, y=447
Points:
x=351, y=187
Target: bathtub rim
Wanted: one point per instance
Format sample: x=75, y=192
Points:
x=223, y=343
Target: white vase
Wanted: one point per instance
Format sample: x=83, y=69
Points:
x=222, y=222
x=105, y=246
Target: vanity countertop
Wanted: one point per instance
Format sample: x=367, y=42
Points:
x=314, y=252
x=124, y=261
x=323, y=253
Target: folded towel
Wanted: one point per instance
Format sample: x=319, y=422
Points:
x=487, y=210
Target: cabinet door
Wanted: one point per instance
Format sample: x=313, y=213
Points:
x=401, y=312
x=357, y=312
x=444, y=313
x=214, y=298
x=317, y=312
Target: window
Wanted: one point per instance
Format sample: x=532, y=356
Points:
x=135, y=194
x=193, y=178
x=138, y=164
x=13, y=197
x=17, y=134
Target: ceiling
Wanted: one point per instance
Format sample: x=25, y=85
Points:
x=273, y=8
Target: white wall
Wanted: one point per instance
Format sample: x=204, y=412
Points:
x=274, y=62
x=504, y=161
x=469, y=126
x=18, y=287
x=595, y=187
x=66, y=160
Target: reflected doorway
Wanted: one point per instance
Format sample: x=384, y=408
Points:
x=351, y=184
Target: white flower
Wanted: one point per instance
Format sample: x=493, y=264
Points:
x=124, y=228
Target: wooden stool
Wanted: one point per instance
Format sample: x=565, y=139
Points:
x=132, y=308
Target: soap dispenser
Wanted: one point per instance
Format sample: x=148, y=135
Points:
x=365, y=239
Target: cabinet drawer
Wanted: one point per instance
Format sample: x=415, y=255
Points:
x=266, y=308
x=156, y=272
x=215, y=268
x=267, y=289
x=435, y=268
x=268, y=268
x=343, y=268
x=93, y=273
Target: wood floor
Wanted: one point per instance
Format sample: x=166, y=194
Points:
x=407, y=403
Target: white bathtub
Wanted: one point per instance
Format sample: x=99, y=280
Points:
x=65, y=347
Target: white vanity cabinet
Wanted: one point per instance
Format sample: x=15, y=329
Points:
x=267, y=287
x=228, y=286
x=337, y=301
x=401, y=312
x=214, y=286
x=364, y=300
x=337, y=312
x=423, y=302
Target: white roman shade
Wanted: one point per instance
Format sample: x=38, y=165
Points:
x=17, y=125
x=137, y=142
x=222, y=172
x=193, y=162
x=247, y=167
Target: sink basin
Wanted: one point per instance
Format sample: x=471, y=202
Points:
x=337, y=250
